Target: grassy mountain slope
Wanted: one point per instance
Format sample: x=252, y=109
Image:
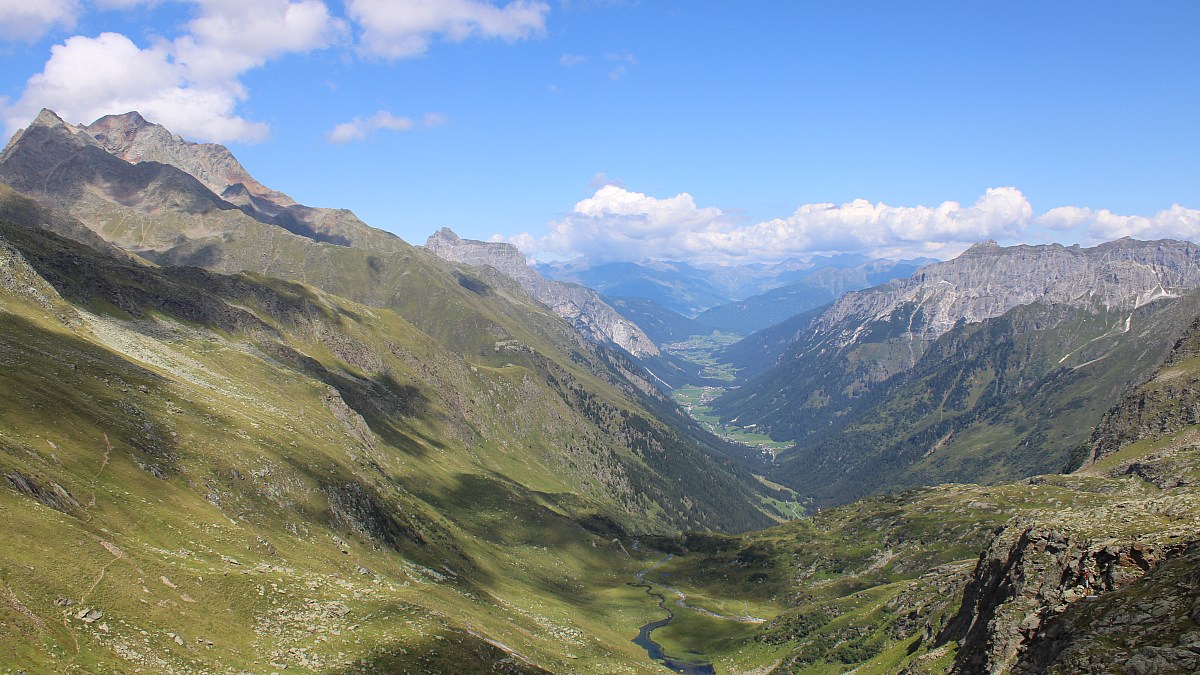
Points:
x=1081, y=573
x=998, y=400
x=1095, y=571
x=279, y=476
x=169, y=217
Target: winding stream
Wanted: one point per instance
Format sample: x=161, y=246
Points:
x=653, y=649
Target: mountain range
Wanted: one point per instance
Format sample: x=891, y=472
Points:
x=737, y=299
x=992, y=366
x=238, y=433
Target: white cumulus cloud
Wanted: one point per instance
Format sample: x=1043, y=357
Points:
x=29, y=20
x=862, y=226
x=1176, y=222
x=617, y=224
x=404, y=28
x=230, y=37
x=190, y=84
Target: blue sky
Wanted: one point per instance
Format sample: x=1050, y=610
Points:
x=685, y=129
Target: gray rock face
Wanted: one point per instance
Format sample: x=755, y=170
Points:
x=145, y=189
x=1166, y=405
x=133, y=139
x=988, y=280
x=1029, y=597
x=582, y=307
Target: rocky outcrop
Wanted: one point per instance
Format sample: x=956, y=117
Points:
x=133, y=139
x=1165, y=405
x=1033, y=588
x=988, y=280
x=145, y=189
x=1150, y=627
x=582, y=307
x=54, y=496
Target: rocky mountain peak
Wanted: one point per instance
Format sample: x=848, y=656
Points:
x=445, y=235
x=988, y=246
x=582, y=307
x=135, y=139
x=46, y=121
x=988, y=280
x=167, y=189
x=500, y=255
x=48, y=118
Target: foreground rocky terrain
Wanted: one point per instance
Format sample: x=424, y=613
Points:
x=1095, y=571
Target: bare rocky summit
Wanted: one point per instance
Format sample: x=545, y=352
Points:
x=582, y=307
x=988, y=280
x=146, y=189
x=133, y=139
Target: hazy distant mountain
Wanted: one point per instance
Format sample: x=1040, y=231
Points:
x=679, y=287
x=814, y=289
x=987, y=367
x=581, y=306
x=738, y=299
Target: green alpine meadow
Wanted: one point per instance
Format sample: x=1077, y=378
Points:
x=239, y=434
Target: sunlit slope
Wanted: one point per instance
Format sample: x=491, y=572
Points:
x=1093, y=571
x=300, y=479
x=161, y=213
x=997, y=400
x=1023, y=577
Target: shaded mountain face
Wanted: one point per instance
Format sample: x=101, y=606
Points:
x=201, y=473
x=580, y=306
x=146, y=189
x=987, y=367
x=133, y=139
x=489, y=323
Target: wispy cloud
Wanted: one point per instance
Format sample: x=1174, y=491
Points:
x=624, y=61
x=360, y=127
x=396, y=29
x=28, y=20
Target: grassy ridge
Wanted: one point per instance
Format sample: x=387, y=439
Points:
x=300, y=480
